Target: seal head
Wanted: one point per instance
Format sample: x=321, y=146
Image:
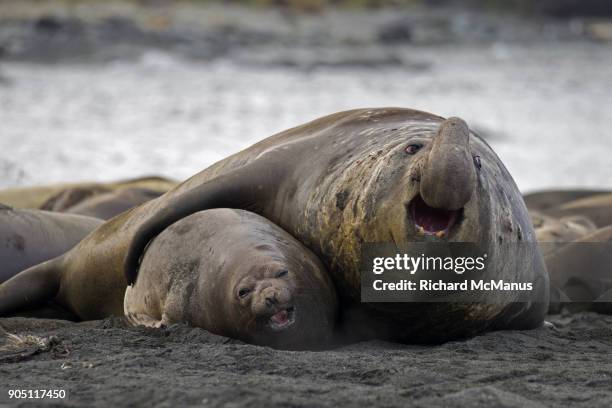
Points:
x=271, y=306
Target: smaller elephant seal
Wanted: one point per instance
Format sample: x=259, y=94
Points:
x=236, y=274
x=101, y=204
x=29, y=237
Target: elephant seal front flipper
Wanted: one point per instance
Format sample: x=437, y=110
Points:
x=31, y=289
x=140, y=319
x=243, y=188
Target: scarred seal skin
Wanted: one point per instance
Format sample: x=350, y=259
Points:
x=29, y=237
x=236, y=274
x=371, y=175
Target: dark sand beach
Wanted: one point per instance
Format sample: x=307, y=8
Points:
x=107, y=363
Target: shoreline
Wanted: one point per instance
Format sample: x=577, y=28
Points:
x=55, y=32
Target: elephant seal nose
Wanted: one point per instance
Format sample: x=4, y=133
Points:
x=271, y=301
x=448, y=177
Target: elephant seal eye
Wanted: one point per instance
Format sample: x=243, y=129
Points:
x=413, y=148
x=243, y=292
x=477, y=162
x=282, y=273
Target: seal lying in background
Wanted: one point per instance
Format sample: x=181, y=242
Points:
x=235, y=274
x=71, y=196
x=99, y=203
x=566, y=225
x=37, y=197
x=546, y=199
x=597, y=208
x=553, y=233
x=29, y=237
x=371, y=175
x=581, y=272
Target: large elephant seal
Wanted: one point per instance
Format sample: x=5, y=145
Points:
x=339, y=182
x=235, y=274
x=99, y=203
x=29, y=237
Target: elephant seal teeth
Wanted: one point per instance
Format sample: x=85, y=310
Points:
x=432, y=221
x=283, y=318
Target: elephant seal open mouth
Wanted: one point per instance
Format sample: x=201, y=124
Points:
x=433, y=221
x=283, y=318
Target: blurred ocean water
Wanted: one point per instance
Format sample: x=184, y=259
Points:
x=545, y=109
